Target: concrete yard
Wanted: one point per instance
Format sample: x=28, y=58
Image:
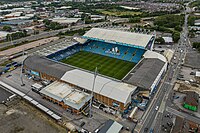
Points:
x=23, y=118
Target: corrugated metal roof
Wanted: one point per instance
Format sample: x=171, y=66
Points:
x=44, y=65
x=145, y=73
x=119, y=36
x=110, y=88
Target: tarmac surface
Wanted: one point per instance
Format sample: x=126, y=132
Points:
x=4, y=94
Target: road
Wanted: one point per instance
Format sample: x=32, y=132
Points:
x=153, y=118
x=48, y=34
x=167, y=100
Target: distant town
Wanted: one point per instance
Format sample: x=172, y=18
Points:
x=81, y=66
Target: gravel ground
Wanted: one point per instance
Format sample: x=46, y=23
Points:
x=22, y=118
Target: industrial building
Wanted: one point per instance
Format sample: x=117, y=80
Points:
x=66, y=96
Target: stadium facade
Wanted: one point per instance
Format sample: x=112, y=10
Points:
x=115, y=93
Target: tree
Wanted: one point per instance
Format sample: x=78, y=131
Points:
x=7, y=28
x=160, y=40
x=196, y=45
x=46, y=21
x=176, y=36
x=178, y=28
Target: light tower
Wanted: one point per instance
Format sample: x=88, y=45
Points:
x=21, y=74
x=95, y=75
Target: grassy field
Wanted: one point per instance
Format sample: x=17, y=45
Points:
x=106, y=65
x=118, y=13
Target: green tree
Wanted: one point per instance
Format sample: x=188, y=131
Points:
x=46, y=21
x=176, y=36
x=160, y=40
x=7, y=28
x=178, y=28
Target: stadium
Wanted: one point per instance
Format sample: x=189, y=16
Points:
x=125, y=65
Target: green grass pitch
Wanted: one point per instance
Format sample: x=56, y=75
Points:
x=106, y=65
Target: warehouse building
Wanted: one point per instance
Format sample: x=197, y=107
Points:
x=66, y=96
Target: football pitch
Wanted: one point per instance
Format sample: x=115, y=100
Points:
x=106, y=65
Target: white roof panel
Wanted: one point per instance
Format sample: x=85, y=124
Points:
x=197, y=73
x=117, y=36
x=110, y=88
x=152, y=54
x=64, y=92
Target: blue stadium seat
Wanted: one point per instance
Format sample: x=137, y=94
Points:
x=107, y=49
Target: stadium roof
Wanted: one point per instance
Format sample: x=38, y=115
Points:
x=155, y=55
x=116, y=36
x=116, y=90
x=64, y=92
x=145, y=73
x=44, y=65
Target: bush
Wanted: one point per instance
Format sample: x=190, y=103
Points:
x=160, y=40
x=134, y=20
x=196, y=45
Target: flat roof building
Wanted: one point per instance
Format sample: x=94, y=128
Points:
x=66, y=21
x=66, y=96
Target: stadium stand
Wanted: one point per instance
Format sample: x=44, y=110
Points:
x=59, y=55
x=107, y=49
x=116, y=51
